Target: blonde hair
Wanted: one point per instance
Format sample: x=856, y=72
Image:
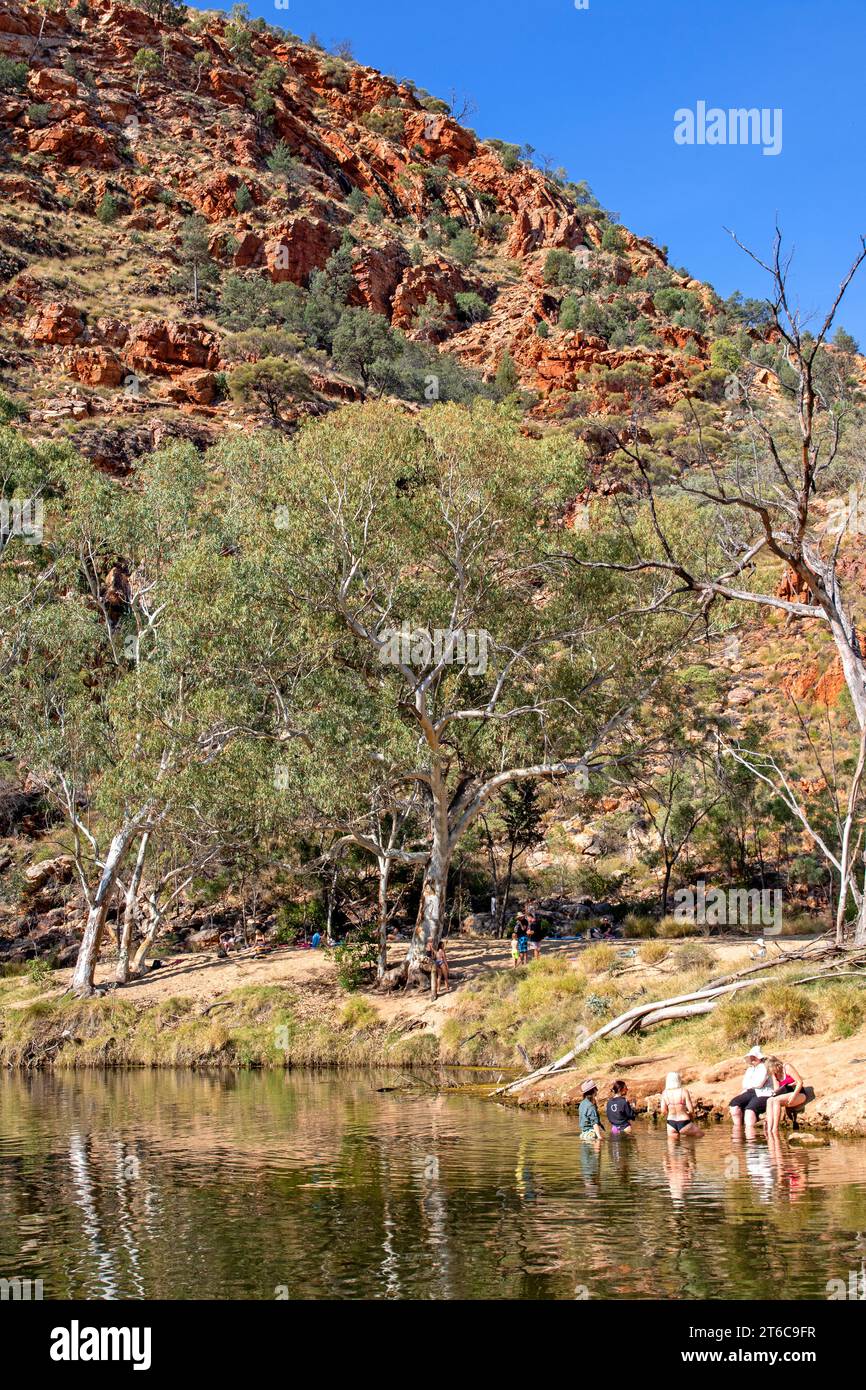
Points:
x=673, y=1081
x=775, y=1066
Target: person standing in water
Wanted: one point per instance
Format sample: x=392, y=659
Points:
x=678, y=1108
x=619, y=1109
x=588, y=1118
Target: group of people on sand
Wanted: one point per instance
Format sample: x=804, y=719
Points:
x=769, y=1086
x=525, y=937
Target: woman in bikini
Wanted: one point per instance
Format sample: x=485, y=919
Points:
x=677, y=1107
x=787, y=1089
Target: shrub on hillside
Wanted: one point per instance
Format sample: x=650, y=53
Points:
x=559, y=268
x=569, y=314
x=471, y=307
x=13, y=76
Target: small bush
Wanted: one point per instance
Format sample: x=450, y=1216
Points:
x=695, y=956
x=670, y=929
x=39, y=971
x=740, y=1020
x=788, y=1012
x=108, y=210
x=847, y=1010
x=651, y=952
x=471, y=307
x=356, y=958
x=359, y=1014
x=464, y=247
x=559, y=268
x=595, y=960
x=13, y=76
x=243, y=198
x=637, y=927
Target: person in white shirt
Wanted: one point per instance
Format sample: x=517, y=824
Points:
x=756, y=1090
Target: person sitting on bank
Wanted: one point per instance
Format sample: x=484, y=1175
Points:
x=619, y=1109
x=787, y=1090
x=587, y=1114
x=756, y=1091
x=678, y=1108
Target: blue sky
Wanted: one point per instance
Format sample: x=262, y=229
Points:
x=597, y=89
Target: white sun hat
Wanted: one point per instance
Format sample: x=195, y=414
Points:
x=756, y=1052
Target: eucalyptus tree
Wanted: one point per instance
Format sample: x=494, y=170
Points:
x=119, y=709
x=458, y=650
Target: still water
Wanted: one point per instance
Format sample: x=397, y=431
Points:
x=309, y=1185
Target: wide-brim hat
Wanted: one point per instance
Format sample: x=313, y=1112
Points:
x=589, y=1086
x=756, y=1052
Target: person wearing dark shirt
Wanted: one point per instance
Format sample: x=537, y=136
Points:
x=619, y=1109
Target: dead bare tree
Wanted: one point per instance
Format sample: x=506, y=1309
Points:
x=765, y=507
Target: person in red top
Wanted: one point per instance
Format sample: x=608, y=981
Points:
x=787, y=1090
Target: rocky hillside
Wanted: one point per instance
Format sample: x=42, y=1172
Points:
x=185, y=194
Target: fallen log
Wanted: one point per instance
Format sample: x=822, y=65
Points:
x=623, y=1024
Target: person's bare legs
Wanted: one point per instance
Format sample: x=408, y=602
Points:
x=771, y=1116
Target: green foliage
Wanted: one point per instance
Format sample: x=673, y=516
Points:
x=375, y=210
x=362, y=340
x=464, y=247
x=387, y=122
x=847, y=1008
x=13, y=76
x=281, y=160
x=356, y=958
x=357, y=200
x=108, y=209
x=507, y=379
x=255, y=302
x=787, y=1012
x=39, y=971
x=613, y=240
x=569, y=314
x=243, y=198
x=38, y=113
x=271, y=383
x=328, y=296
x=471, y=307
x=146, y=63
x=559, y=268
x=9, y=409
